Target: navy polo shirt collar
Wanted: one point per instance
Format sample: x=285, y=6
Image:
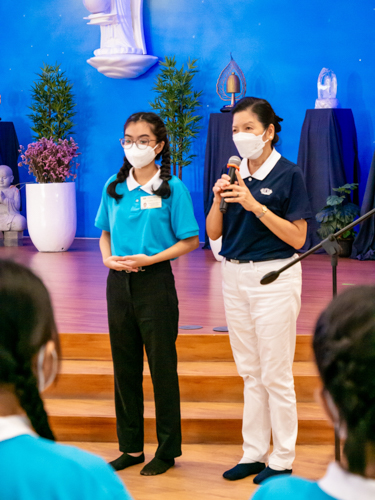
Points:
x=263, y=170
x=153, y=184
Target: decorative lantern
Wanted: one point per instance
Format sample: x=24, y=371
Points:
x=230, y=79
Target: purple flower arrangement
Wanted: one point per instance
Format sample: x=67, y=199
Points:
x=50, y=161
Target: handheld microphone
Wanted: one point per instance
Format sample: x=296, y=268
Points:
x=233, y=165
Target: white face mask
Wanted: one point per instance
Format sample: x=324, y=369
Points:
x=42, y=383
x=249, y=145
x=139, y=158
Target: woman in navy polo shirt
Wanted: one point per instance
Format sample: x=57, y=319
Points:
x=147, y=219
x=263, y=226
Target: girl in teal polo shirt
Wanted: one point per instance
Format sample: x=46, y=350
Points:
x=344, y=347
x=147, y=219
x=32, y=465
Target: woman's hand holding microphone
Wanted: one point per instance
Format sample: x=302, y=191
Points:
x=235, y=193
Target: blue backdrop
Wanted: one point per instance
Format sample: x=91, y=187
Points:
x=280, y=46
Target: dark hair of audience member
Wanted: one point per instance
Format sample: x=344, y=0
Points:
x=27, y=323
x=344, y=346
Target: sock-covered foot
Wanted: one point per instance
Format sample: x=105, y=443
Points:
x=126, y=460
x=243, y=470
x=157, y=466
x=268, y=472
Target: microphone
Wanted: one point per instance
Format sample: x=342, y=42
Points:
x=233, y=165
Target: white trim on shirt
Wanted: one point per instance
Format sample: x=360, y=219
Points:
x=344, y=485
x=263, y=170
x=153, y=184
x=13, y=426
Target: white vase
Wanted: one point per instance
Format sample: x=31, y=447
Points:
x=51, y=215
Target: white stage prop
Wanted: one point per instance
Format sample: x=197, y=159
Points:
x=122, y=52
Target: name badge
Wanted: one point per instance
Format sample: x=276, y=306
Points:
x=150, y=202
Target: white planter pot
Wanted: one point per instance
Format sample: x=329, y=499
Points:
x=51, y=215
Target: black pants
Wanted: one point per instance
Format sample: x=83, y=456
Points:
x=143, y=310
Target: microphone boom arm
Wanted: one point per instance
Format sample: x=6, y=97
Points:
x=328, y=244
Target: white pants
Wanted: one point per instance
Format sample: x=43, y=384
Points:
x=262, y=330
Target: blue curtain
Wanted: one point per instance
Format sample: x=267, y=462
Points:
x=219, y=148
x=328, y=157
x=9, y=147
x=364, y=244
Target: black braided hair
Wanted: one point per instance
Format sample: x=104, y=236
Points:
x=344, y=346
x=264, y=111
x=27, y=323
x=158, y=128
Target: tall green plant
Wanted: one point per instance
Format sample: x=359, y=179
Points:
x=52, y=104
x=176, y=103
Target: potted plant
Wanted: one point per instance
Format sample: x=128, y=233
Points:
x=176, y=104
x=338, y=213
x=51, y=202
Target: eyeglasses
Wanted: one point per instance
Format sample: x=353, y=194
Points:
x=140, y=143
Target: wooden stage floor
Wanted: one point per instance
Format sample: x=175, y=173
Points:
x=77, y=281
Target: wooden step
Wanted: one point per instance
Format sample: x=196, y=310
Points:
x=199, y=381
x=94, y=420
x=190, y=347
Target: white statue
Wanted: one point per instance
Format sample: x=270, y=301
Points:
x=327, y=90
x=122, y=52
x=12, y=223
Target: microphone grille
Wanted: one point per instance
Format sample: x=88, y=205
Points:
x=235, y=160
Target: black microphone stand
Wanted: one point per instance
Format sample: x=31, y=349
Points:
x=332, y=247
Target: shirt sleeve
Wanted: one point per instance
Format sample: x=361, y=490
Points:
x=297, y=205
x=183, y=221
x=102, y=218
x=112, y=487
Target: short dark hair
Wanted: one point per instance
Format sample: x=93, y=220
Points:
x=344, y=347
x=264, y=111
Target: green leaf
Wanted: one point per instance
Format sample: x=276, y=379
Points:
x=335, y=200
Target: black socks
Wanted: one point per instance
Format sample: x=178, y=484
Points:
x=243, y=470
x=157, y=466
x=268, y=472
x=126, y=460
x=153, y=468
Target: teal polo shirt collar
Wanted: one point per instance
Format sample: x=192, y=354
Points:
x=152, y=185
x=262, y=171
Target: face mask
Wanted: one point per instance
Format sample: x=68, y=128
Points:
x=249, y=145
x=139, y=158
x=42, y=383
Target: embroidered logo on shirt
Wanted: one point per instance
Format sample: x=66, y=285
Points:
x=266, y=191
